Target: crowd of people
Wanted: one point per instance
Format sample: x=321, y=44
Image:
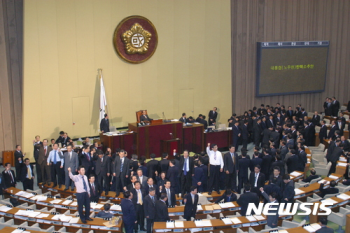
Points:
x=279, y=136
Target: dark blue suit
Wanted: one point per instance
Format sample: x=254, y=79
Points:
x=243, y=166
x=129, y=215
x=198, y=177
x=235, y=131
x=173, y=176
x=205, y=180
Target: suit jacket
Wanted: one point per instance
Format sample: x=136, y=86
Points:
x=146, y=189
x=183, y=120
x=104, y=125
x=223, y=197
x=229, y=165
x=173, y=176
x=172, y=197
x=292, y=163
x=243, y=166
x=266, y=164
x=323, y=133
x=129, y=213
x=272, y=220
x=276, y=180
x=327, y=191
x=255, y=161
x=325, y=229
x=149, y=207
x=152, y=167
x=117, y=166
x=310, y=178
x=346, y=145
x=2, y=184
x=24, y=172
x=164, y=165
x=280, y=164
x=134, y=197
x=290, y=114
x=260, y=183
x=212, y=115
x=162, y=214
x=144, y=180
x=94, y=196
x=18, y=155
x=245, y=199
x=102, y=168
x=284, y=151
x=337, y=152
x=103, y=214
x=332, y=131
x=190, y=206
x=316, y=120
x=302, y=160
x=288, y=191
x=235, y=132
x=190, y=162
x=198, y=176
x=145, y=118
x=205, y=171
x=85, y=161
x=245, y=133
x=7, y=181
x=73, y=162
x=42, y=156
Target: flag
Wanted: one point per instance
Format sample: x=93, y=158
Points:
x=103, y=99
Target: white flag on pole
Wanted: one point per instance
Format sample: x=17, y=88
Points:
x=103, y=99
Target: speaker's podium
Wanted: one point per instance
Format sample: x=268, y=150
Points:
x=157, y=137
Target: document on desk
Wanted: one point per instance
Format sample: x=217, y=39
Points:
x=42, y=216
x=208, y=207
x=250, y=218
x=179, y=224
x=116, y=207
x=316, y=226
x=74, y=220
x=343, y=196
x=4, y=208
x=259, y=217
x=199, y=207
x=235, y=220
x=333, y=177
x=170, y=224
x=227, y=221
x=65, y=218
x=56, y=217
x=198, y=223
x=309, y=228
x=33, y=214
x=74, y=203
x=216, y=207
x=67, y=202
x=298, y=191
x=206, y=223
x=55, y=201
x=342, y=164
x=296, y=174
x=329, y=201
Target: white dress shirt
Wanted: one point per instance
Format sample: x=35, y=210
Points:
x=215, y=158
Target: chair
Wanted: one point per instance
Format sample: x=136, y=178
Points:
x=212, y=127
x=315, y=180
x=343, y=188
x=323, y=171
x=320, y=147
x=330, y=195
x=139, y=114
x=240, y=231
x=251, y=230
x=342, y=108
x=222, y=126
x=339, y=218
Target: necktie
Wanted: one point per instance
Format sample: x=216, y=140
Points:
x=54, y=159
x=152, y=199
x=93, y=188
x=141, y=180
x=139, y=197
x=256, y=180
x=45, y=151
x=101, y=160
x=192, y=199
x=29, y=173
x=121, y=166
x=215, y=155
x=70, y=155
x=169, y=199
x=13, y=181
x=88, y=157
x=84, y=184
x=227, y=199
x=233, y=158
x=185, y=167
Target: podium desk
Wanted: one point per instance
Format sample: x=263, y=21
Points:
x=149, y=137
x=125, y=141
x=193, y=138
x=221, y=138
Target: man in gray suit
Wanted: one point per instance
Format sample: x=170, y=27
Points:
x=272, y=220
x=121, y=171
x=70, y=160
x=140, y=177
x=44, y=152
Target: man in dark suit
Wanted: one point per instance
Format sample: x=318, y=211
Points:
x=245, y=134
x=256, y=160
x=311, y=176
x=335, y=105
x=324, y=228
x=292, y=162
x=302, y=158
x=153, y=167
x=121, y=171
x=246, y=198
x=272, y=219
x=186, y=170
x=138, y=196
x=104, y=124
x=164, y=163
x=276, y=178
x=266, y=163
x=323, y=131
x=18, y=161
x=340, y=125
x=201, y=119
x=288, y=191
x=105, y=212
x=290, y=113
x=198, y=176
x=142, y=178
x=129, y=214
x=144, y=117
x=183, y=118
x=173, y=176
x=8, y=177
x=70, y=160
x=331, y=190
x=336, y=153
x=44, y=152
x=103, y=171
x=332, y=130
x=257, y=129
x=150, y=185
x=149, y=208
x=243, y=166
x=27, y=175
x=95, y=190
x=162, y=214
x=171, y=199
x=230, y=167
x=228, y=196
x=316, y=119
x=213, y=114
x=345, y=143
x=86, y=160
x=191, y=201
x=205, y=177
x=236, y=134
x=256, y=180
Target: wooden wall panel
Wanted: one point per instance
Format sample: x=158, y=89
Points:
x=11, y=50
x=294, y=20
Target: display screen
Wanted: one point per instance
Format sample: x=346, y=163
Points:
x=288, y=69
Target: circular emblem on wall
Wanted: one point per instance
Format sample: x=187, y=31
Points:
x=135, y=39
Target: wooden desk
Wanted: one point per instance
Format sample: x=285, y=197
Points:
x=221, y=138
x=347, y=227
x=125, y=141
x=193, y=138
x=10, y=229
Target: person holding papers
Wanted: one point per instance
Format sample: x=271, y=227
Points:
x=331, y=190
x=82, y=193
